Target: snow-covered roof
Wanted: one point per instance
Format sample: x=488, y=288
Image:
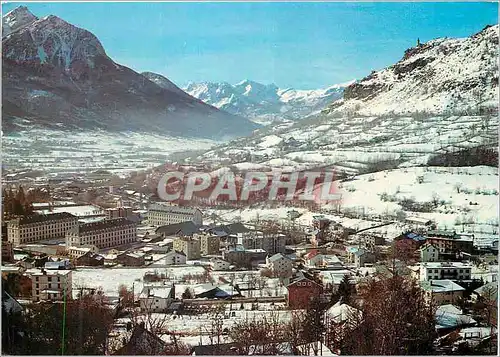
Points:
x=441, y=286
x=449, y=316
x=342, y=312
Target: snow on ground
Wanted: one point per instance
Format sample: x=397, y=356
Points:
x=467, y=200
x=456, y=187
x=271, y=140
x=110, y=279
x=78, y=152
x=200, y=324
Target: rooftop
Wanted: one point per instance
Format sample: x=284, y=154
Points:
x=79, y=211
x=183, y=228
x=434, y=265
x=108, y=223
x=440, y=286
x=51, y=272
x=450, y=316
x=39, y=218
x=165, y=207
x=276, y=257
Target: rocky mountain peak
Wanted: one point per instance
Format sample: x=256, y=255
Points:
x=16, y=19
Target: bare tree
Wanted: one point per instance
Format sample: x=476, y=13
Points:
x=397, y=320
x=216, y=327
x=264, y=336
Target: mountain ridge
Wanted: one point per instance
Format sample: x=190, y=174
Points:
x=58, y=75
x=264, y=103
x=441, y=75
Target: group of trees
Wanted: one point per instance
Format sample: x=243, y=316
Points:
x=78, y=327
x=18, y=202
x=466, y=157
x=393, y=318
x=396, y=319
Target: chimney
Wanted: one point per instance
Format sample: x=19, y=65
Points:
x=43, y=271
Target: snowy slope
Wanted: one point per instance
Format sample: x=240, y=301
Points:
x=441, y=76
x=438, y=83
x=264, y=103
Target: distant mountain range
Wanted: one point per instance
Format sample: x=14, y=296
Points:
x=442, y=76
x=265, y=103
x=58, y=75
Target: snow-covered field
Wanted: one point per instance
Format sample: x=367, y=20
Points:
x=110, y=279
x=53, y=151
x=351, y=144
x=466, y=200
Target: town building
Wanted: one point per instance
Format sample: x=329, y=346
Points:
x=118, y=212
x=89, y=259
x=41, y=227
x=450, y=242
x=359, y=256
x=175, y=258
x=315, y=259
x=51, y=285
x=443, y=271
x=103, y=234
x=219, y=264
x=156, y=298
x=130, y=259
x=160, y=214
x=419, y=222
x=271, y=243
x=242, y=257
x=209, y=244
x=429, y=253
x=302, y=292
x=280, y=266
x=76, y=252
x=274, y=243
x=190, y=246
x=7, y=252
x=187, y=228
x=442, y=292
x=57, y=265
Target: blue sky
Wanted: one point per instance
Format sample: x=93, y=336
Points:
x=301, y=45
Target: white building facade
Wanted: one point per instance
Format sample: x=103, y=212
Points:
x=160, y=214
x=51, y=285
x=429, y=253
x=36, y=228
x=103, y=234
x=280, y=266
x=444, y=271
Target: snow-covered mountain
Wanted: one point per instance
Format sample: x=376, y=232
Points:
x=57, y=75
x=444, y=75
x=264, y=103
x=16, y=19
x=439, y=99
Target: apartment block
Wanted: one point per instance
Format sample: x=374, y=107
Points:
x=209, y=244
x=444, y=270
x=160, y=214
x=103, y=234
x=190, y=246
x=51, y=285
x=39, y=227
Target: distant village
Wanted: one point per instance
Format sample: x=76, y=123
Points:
x=202, y=277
